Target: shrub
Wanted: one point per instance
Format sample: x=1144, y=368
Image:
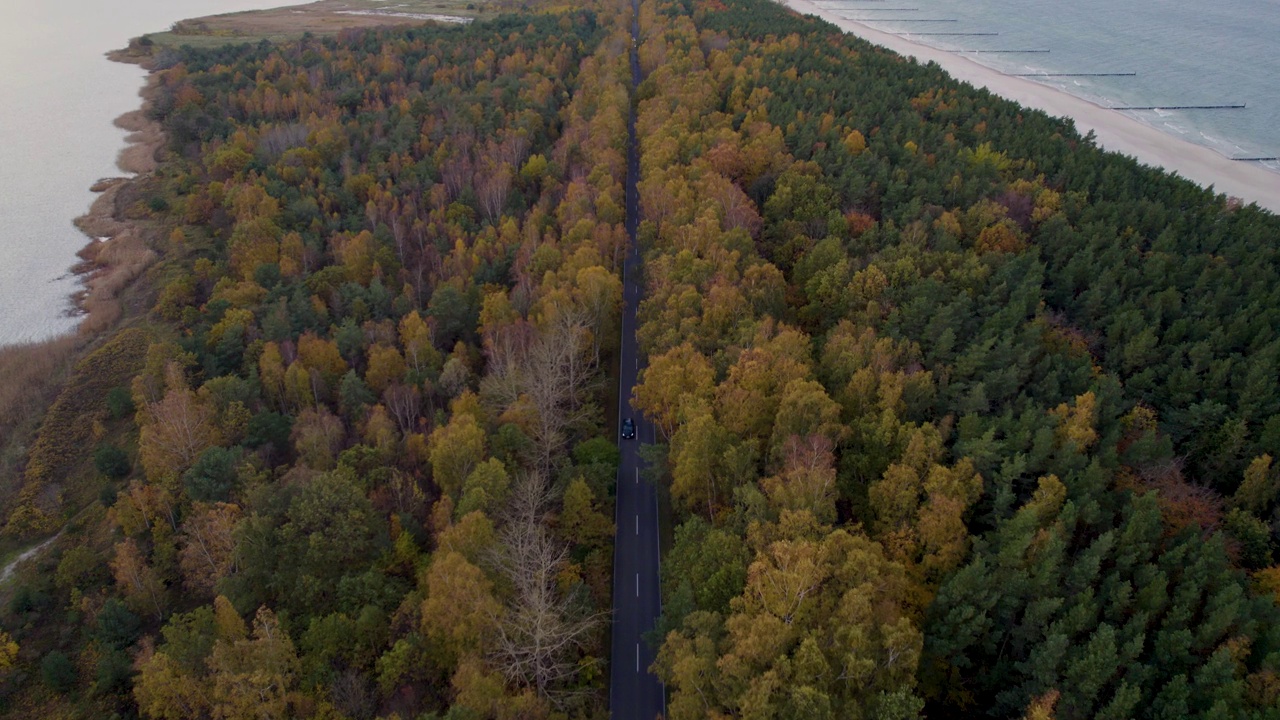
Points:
x=108, y=495
x=597, y=451
x=27, y=599
x=66, y=428
x=268, y=428
x=58, y=672
x=113, y=673
x=112, y=462
x=211, y=477
x=118, y=627
x=120, y=402
x=80, y=567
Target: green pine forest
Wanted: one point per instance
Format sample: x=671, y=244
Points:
x=958, y=416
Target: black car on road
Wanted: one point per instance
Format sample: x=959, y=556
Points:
x=628, y=429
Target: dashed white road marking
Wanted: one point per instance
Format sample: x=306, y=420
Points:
x=637, y=584
x=637, y=657
x=637, y=524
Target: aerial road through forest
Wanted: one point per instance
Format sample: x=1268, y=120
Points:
x=634, y=692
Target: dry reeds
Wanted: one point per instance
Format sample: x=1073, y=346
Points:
x=109, y=265
x=144, y=141
x=117, y=262
x=29, y=375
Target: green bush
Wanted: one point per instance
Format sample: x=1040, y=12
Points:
x=113, y=673
x=80, y=568
x=597, y=451
x=67, y=428
x=107, y=496
x=27, y=599
x=58, y=672
x=112, y=462
x=120, y=402
x=211, y=477
x=268, y=428
x=118, y=627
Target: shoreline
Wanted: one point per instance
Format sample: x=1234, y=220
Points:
x=120, y=238
x=1112, y=130
x=118, y=251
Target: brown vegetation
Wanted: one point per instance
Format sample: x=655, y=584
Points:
x=326, y=17
x=31, y=374
x=145, y=138
x=111, y=264
x=119, y=250
x=29, y=377
x=67, y=429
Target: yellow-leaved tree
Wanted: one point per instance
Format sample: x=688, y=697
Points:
x=920, y=507
x=824, y=621
x=680, y=376
x=8, y=652
x=175, y=429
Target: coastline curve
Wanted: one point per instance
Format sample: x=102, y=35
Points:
x=1113, y=131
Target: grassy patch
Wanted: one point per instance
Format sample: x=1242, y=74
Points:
x=30, y=376
x=326, y=17
x=57, y=457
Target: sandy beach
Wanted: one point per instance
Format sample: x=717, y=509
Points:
x=1113, y=130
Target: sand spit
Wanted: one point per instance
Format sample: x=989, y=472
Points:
x=1114, y=131
x=457, y=19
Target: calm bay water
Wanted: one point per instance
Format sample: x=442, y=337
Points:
x=1184, y=52
x=58, y=98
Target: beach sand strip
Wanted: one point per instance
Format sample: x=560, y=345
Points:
x=1113, y=130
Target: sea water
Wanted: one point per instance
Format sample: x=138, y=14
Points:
x=1181, y=52
x=58, y=98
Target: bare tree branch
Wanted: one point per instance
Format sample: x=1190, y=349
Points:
x=542, y=630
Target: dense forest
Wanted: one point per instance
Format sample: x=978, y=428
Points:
x=958, y=415
x=963, y=416
x=353, y=462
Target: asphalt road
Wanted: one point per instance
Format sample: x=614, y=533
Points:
x=634, y=692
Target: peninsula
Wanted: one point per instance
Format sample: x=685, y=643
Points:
x=679, y=358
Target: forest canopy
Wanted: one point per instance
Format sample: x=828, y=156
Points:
x=957, y=414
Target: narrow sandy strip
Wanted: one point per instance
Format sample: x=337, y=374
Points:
x=411, y=16
x=1114, y=131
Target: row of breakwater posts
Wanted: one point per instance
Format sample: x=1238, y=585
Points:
x=1101, y=74
x=869, y=19
x=1230, y=106
x=1225, y=106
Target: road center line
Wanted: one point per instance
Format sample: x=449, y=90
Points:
x=637, y=657
x=637, y=584
x=637, y=524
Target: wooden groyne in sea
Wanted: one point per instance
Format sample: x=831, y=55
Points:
x=1232, y=106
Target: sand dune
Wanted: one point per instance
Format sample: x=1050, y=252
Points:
x=1113, y=130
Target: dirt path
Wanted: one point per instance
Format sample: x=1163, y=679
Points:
x=25, y=556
